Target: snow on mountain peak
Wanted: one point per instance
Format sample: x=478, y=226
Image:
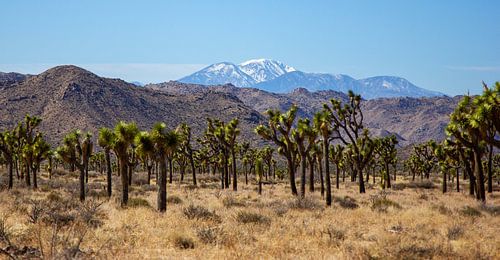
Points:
x=264, y=69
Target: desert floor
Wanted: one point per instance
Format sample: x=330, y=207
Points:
x=412, y=220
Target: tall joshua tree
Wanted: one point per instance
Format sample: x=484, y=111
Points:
x=279, y=130
x=77, y=151
x=164, y=143
x=124, y=138
x=304, y=136
x=386, y=150
x=106, y=140
x=322, y=122
x=347, y=127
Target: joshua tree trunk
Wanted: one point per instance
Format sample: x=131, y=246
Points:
x=490, y=169
x=320, y=169
x=11, y=175
x=35, y=183
x=193, y=169
x=149, y=168
x=124, y=177
x=82, y=182
x=445, y=186
x=337, y=177
x=387, y=176
x=326, y=153
x=260, y=186
x=303, y=175
x=479, y=175
x=458, y=181
x=361, y=180
x=109, y=173
x=235, y=176
x=27, y=176
x=291, y=174
x=311, y=175
x=162, y=187
x=246, y=174
x=222, y=175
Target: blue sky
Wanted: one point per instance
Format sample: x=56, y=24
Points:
x=449, y=46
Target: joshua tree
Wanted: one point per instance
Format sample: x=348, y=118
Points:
x=106, y=140
x=187, y=148
x=322, y=122
x=77, y=151
x=145, y=151
x=466, y=129
x=347, y=127
x=426, y=156
x=8, y=149
x=39, y=151
x=278, y=130
x=124, y=137
x=267, y=156
x=336, y=155
x=164, y=143
x=385, y=148
x=304, y=132
x=259, y=171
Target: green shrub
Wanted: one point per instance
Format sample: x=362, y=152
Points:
x=381, y=203
x=455, y=232
x=346, y=202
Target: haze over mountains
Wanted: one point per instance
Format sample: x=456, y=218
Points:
x=69, y=97
x=277, y=77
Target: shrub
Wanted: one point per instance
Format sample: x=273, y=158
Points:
x=470, y=212
x=174, y=199
x=36, y=211
x=455, y=232
x=346, y=202
x=381, y=203
x=183, y=241
x=306, y=203
x=334, y=235
x=199, y=212
x=491, y=209
x=91, y=213
x=138, y=202
x=230, y=201
x=208, y=235
x=247, y=217
x=54, y=197
x=443, y=209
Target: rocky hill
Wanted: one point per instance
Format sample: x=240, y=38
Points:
x=68, y=97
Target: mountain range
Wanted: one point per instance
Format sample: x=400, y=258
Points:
x=277, y=77
x=69, y=97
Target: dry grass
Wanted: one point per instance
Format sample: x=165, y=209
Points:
x=205, y=222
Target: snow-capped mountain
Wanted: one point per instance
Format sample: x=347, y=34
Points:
x=277, y=77
x=264, y=69
x=220, y=73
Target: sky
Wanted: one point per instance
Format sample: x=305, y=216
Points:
x=448, y=45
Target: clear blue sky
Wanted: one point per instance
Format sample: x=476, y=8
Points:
x=449, y=46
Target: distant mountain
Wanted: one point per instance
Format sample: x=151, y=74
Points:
x=389, y=86
x=310, y=81
x=263, y=69
x=412, y=120
x=277, y=77
x=220, y=73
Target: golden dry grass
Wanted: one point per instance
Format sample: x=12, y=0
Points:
x=397, y=224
